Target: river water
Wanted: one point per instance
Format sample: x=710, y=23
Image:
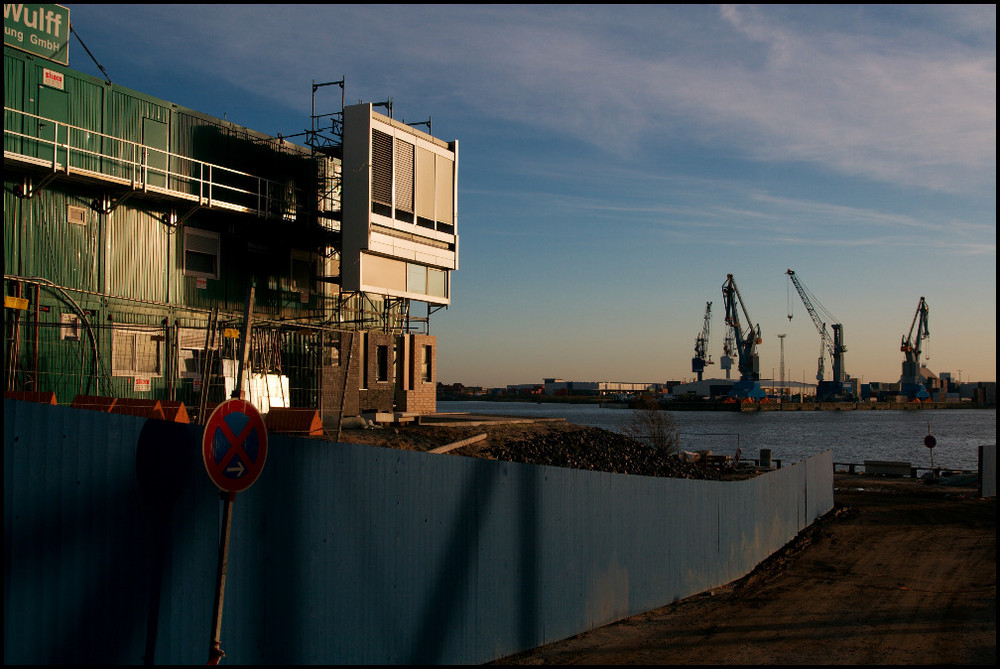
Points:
x=853, y=436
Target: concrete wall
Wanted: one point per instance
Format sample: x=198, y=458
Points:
x=350, y=554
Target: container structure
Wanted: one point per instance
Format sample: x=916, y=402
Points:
x=134, y=229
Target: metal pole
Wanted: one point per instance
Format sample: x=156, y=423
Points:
x=244, y=345
x=347, y=373
x=208, y=360
x=215, y=652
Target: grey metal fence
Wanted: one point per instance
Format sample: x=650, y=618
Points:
x=344, y=553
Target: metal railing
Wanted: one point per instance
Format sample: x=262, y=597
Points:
x=70, y=149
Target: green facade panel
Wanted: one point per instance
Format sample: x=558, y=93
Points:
x=94, y=239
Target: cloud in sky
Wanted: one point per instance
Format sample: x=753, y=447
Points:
x=846, y=90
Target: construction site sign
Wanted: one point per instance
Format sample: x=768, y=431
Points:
x=42, y=30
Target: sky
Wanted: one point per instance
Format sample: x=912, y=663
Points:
x=616, y=163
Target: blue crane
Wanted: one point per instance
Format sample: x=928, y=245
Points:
x=911, y=381
x=746, y=341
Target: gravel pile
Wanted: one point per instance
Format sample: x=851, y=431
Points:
x=555, y=443
x=590, y=448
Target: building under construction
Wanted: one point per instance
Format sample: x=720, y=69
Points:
x=140, y=238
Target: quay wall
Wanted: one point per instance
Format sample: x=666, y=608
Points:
x=350, y=554
x=685, y=405
x=856, y=406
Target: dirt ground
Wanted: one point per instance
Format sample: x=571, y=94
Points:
x=900, y=572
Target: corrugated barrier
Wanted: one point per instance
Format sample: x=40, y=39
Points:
x=343, y=553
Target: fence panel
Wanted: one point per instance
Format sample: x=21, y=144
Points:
x=344, y=553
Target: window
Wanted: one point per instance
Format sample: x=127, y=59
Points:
x=201, y=253
x=382, y=362
x=76, y=215
x=416, y=279
x=404, y=181
x=444, y=191
x=437, y=283
x=423, y=280
x=425, y=364
x=136, y=351
x=191, y=352
x=423, y=187
x=381, y=173
x=301, y=272
x=365, y=360
x=331, y=353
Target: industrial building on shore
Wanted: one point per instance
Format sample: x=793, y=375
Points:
x=946, y=389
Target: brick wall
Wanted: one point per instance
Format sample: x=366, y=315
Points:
x=420, y=394
x=404, y=387
x=332, y=394
x=376, y=394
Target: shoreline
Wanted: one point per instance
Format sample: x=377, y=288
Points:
x=710, y=405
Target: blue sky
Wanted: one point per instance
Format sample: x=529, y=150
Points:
x=617, y=162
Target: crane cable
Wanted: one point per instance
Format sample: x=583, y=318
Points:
x=788, y=297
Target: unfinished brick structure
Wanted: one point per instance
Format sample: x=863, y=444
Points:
x=379, y=372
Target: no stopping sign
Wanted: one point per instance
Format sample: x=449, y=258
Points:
x=234, y=446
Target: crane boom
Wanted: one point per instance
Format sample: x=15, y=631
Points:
x=834, y=345
x=910, y=346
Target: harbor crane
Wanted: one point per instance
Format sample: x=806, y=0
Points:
x=746, y=340
x=825, y=390
x=728, y=348
x=912, y=381
x=701, y=355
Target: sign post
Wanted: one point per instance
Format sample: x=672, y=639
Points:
x=930, y=442
x=234, y=449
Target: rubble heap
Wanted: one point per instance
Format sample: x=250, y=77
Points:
x=592, y=448
x=555, y=443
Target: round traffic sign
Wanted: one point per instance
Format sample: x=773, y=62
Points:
x=930, y=441
x=234, y=446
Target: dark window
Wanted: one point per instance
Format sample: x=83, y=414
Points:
x=201, y=253
x=426, y=364
x=382, y=362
